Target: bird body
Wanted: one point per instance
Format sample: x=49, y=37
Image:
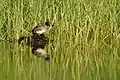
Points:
x=38, y=40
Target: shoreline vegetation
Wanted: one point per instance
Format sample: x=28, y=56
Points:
x=86, y=34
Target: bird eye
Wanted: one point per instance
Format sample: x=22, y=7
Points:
x=47, y=23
